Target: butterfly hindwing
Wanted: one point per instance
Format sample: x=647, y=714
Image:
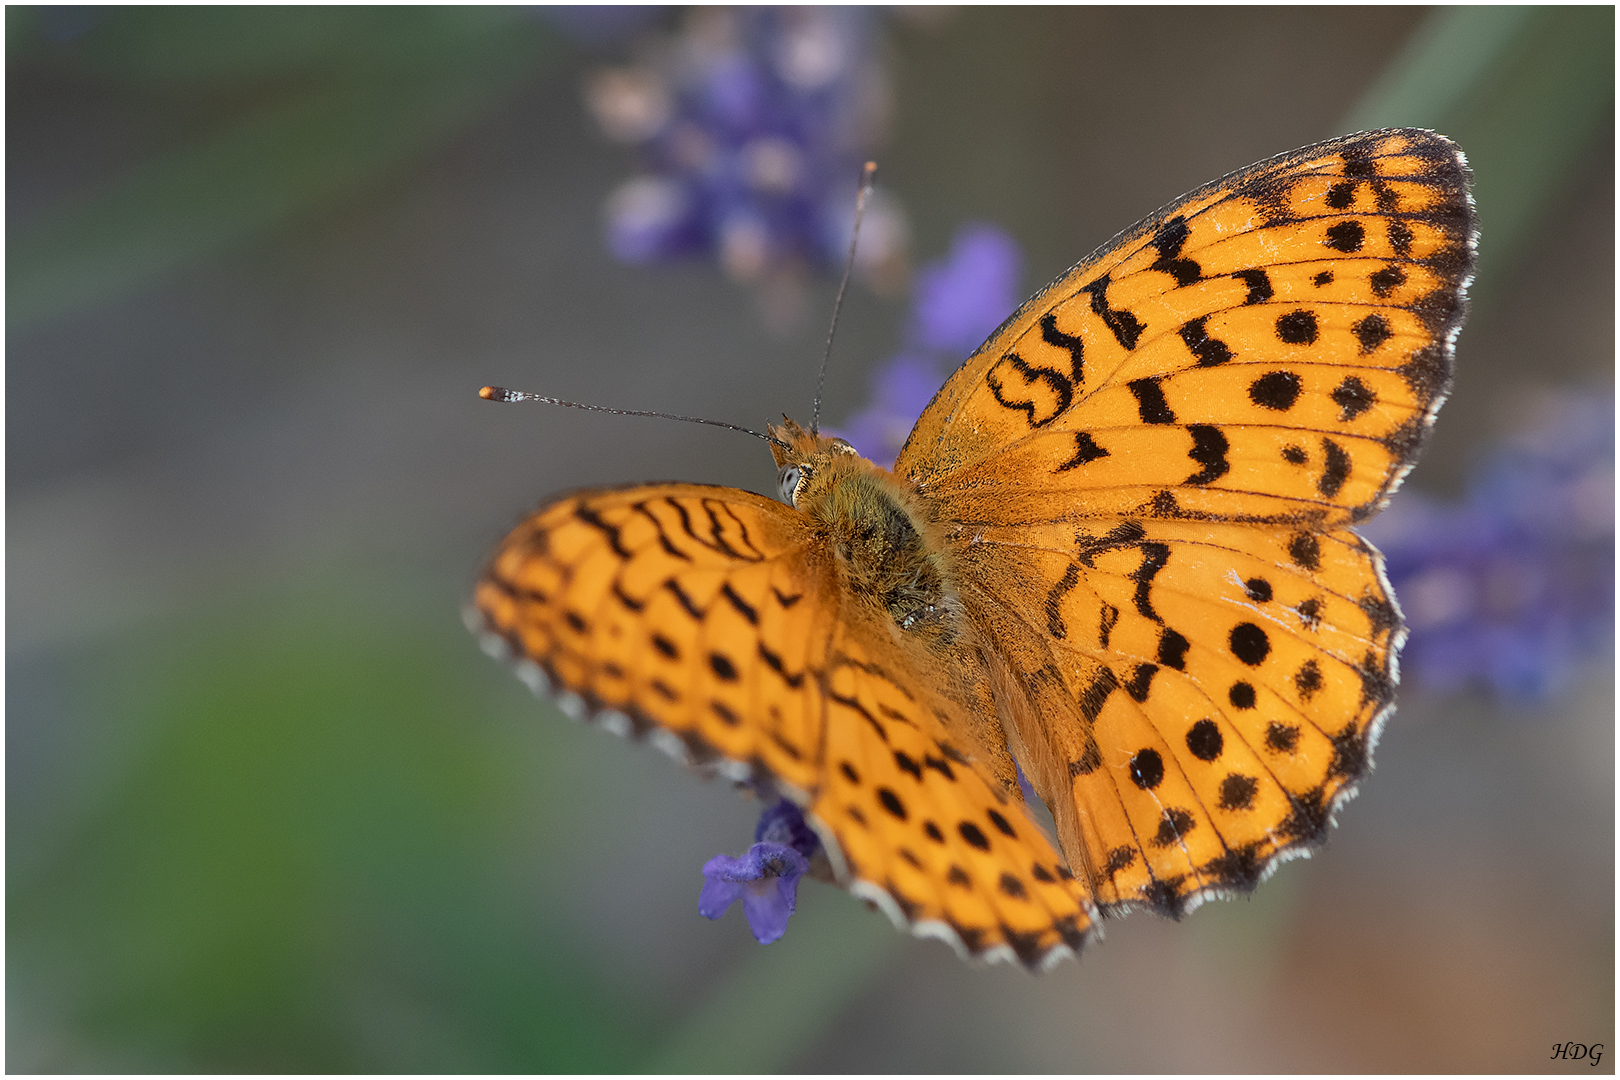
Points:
x=1211, y=695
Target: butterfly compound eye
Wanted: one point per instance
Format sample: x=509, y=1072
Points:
x=789, y=479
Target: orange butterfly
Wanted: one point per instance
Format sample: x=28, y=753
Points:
x=1117, y=547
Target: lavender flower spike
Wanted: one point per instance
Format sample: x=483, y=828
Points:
x=765, y=877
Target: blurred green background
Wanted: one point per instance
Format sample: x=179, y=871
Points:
x=268, y=808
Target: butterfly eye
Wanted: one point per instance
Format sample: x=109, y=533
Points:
x=841, y=447
x=789, y=479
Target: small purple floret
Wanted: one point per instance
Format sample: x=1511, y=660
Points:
x=765, y=877
x=1513, y=586
x=961, y=300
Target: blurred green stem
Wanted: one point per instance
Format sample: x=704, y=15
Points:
x=778, y=1000
x=1524, y=91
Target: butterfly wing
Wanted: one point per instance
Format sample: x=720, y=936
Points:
x=712, y=622
x=1151, y=468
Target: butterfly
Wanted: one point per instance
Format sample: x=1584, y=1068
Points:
x=1117, y=549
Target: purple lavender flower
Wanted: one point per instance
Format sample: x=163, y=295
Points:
x=960, y=301
x=765, y=877
x=752, y=125
x=1513, y=587
x=956, y=304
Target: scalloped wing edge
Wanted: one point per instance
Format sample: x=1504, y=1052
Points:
x=1301, y=849
x=579, y=709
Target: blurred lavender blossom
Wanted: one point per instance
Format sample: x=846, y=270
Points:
x=956, y=303
x=765, y=877
x=752, y=125
x=1513, y=586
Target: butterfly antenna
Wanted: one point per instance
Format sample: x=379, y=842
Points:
x=868, y=174
x=501, y=393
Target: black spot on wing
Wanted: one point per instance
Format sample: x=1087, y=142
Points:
x=1387, y=280
x=1297, y=328
x=973, y=835
x=1096, y=693
x=1126, y=327
x=1305, y=550
x=1346, y=236
x=1172, y=235
x=775, y=663
x=742, y=607
x=1282, y=738
x=1147, y=769
x=1237, y=791
x=1086, y=451
x=1371, y=332
x=1205, y=741
x=1003, y=826
x=1380, y=613
x=1172, y=649
x=1140, y=681
x=1154, y=557
x=1349, y=753
x=1209, y=351
x=1126, y=534
x=1353, y=397
x=1309, y=611
x=1237, y=870
x=1308, y=680
x=1249, y=643
x=1209, y=450
x=1073, y=345
x=1106, y=621
x=1174, y=823
x=1054, y=601
x=1335, y=468
x=1400, y=238
x=1259, y=284
x=1276, y=390
x=1150, y=403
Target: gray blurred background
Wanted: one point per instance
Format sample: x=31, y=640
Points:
x=268, y=808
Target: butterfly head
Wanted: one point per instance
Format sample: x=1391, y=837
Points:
x=805, y=461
